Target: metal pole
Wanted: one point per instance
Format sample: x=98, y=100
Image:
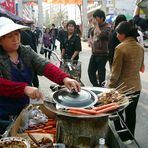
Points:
x=20, y=8
x=40, y=14
x=75, y=12
x=84, y=20
x=103, y=7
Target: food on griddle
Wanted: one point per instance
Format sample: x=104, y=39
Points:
x=95, y=110
x=110, y=96
x=101, y=107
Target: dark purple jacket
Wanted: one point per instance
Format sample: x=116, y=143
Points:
x=47, y=39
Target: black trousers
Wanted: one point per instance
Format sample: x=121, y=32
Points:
x=49, y=52
x=97, y=63
x=129, y=120
x=54, y=45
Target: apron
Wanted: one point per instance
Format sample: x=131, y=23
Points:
x=10, y=106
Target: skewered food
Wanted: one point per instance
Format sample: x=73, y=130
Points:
x=110, y=96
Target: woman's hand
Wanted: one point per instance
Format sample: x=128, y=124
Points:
x=33, y=92
x=72, y=84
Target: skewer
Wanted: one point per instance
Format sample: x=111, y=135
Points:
x=128, y=90
x=123, y=104
x=33, y=139
x=132, y=96
x=119, y=86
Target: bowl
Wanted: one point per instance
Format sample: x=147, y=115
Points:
x=14, y=142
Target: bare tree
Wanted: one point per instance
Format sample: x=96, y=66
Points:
x=47, y=19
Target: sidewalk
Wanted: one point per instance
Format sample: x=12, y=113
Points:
x=146, y=45
x=85, y=46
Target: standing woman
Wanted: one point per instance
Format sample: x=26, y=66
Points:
x=128, y=59
x=47, y=42
x=72, y=43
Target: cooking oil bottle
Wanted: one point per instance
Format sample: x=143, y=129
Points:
x=101, y=143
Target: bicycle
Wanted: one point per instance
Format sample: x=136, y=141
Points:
x=72, y=67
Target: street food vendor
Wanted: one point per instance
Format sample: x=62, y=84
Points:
x=127, y=63
x=17, y=66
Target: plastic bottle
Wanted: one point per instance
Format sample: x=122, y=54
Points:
x=101, y=143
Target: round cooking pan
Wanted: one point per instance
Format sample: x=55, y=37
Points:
x=67, y=99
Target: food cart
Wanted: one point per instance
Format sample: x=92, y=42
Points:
x=76, y=130
x=72, y=128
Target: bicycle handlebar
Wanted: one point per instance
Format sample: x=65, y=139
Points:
x=53, y=53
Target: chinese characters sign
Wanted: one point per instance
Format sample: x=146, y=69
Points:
x=8, y=5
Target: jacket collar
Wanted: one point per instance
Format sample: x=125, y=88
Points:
x=129, y=39
x=104, y=24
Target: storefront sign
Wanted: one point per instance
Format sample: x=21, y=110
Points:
x=67, y=1
x=8, y=5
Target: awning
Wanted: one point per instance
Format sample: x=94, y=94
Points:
x=67, y=1
x=6, y=13
x=64, y=1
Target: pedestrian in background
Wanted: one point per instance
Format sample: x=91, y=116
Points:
x=47, y=39
x=140, y=37
x=72, y=43
x=128, y=60
x=29, y=38
x=139, y=21
x=38, y=34
x=100, y=39
x=78, y=31
x=114, y=39
x=62, y=34
x=54, y=34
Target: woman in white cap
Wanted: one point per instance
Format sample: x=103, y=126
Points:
x=17, y=66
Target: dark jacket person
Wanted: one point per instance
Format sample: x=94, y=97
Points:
x=100, y=39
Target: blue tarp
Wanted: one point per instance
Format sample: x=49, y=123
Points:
x=110, y=18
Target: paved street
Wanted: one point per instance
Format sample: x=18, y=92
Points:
x=142, y=109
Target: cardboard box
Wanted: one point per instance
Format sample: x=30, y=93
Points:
x=18, y=122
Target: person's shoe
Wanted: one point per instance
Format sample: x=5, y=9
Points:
x=127, y=142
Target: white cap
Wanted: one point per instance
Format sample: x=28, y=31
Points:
x=101, y=141
x=7, y=26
